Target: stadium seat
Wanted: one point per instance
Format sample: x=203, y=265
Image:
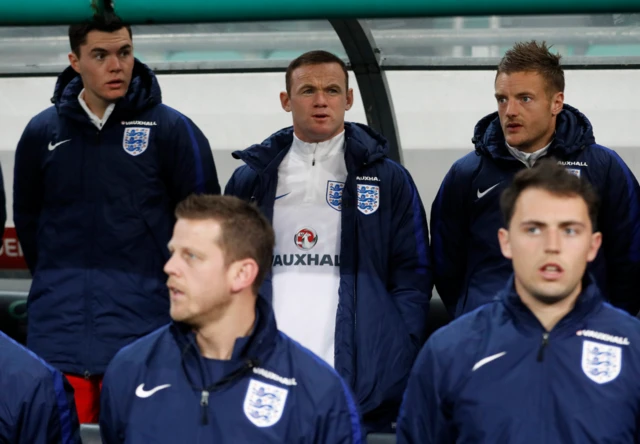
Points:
x=90, y=434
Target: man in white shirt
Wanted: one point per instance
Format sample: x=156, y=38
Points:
x=351, y=275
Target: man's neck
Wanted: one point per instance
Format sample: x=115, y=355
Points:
x=217, y=339
x=548, y=314
x=95, y=104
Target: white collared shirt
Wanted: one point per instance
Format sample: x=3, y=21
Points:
x=98, y=122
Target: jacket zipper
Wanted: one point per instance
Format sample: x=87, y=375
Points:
x=543, y=345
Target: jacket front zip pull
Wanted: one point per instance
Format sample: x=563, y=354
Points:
x=204, y=402
x=545, y=342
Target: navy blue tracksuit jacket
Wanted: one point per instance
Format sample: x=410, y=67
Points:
x=93, y=210
x=36, y=401
x=385, y=272
x=496, y=376
x=469, y=269
x=272, y=390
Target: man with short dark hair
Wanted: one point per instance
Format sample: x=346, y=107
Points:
x=351, y=276
x=96, y=179
x=221, y=372
x=549, y=361
x=532, y=122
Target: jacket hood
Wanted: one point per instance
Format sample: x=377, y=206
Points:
x=367, y=147
x=573, y=133
x=144, y=92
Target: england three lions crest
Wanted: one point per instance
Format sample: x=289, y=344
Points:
x=368, y=198
x=135, y=140
x=264, y=403
x=334, y=194
x=600, y=362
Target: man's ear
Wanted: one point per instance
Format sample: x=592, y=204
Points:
x=285, y=102
x=242, y=274
x=74, y=61
x=505, y=243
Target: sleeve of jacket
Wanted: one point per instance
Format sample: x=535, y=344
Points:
x=189, y=164
x=422, y=417
x=620, y=220
x=449, y=238
x=50, y=413
x=410, y=280
x=28, y=192
x=339, y=421
x=111, y=426
x=242, y=183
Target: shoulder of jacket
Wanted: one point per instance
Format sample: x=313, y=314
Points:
x=143, y=348
x=310, y=370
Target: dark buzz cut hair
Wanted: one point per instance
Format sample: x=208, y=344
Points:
x=245, y=232
x=317, y=57
x=548, y=175
x=107, y=22
x=534, y=57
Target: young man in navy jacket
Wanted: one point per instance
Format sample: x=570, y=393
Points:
x=221, y=372
x=550, y=361
x=532, y=122
x=97, y=177
x=351, y=273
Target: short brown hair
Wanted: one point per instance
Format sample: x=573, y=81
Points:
x=317, y=57
x=534, y=57
x=107, y=22
x=245, y=232
x=550, y=176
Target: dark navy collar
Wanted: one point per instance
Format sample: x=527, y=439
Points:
x=249, y=351
x=573, y=133
x=589, y=301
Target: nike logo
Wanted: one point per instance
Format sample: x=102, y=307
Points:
x=142, y=393
x=487, y=360
x=281, y=196
x=482, y=194
x=53, y=147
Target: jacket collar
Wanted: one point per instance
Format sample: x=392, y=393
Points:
x=589, y=301
x=573, y=133
x=363, y=146
x=144, y=92
x=252, y=351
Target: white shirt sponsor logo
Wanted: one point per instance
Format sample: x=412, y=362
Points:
x=603, y=337
x=270, y=375
x=369, y=178
x=138, y=122
x=580, y=164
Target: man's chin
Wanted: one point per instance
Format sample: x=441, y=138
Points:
x=551, y=297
